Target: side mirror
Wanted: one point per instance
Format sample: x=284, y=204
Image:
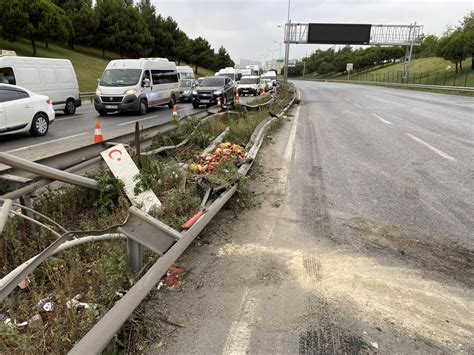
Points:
x=98, y=81
x=237, y=82
x=146, y=83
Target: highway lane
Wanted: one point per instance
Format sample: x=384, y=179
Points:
x=361, y=241
x=395, y=156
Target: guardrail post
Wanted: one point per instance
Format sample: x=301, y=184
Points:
x=137, y=143
x=465, y=81
x=421, y=76
x=444, y=82
x=436, y=78
x=135, y=256
x=454, y=80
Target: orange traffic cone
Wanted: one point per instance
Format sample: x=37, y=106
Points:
x=98, y=132
x=175, y=116
x=219, y=101
x=264, y=93
x=237, y=97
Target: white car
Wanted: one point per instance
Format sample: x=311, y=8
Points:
x=24, y=111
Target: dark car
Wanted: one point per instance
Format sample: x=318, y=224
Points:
x=211, y=88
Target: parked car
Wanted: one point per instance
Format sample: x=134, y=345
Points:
x=54, y=78
x=250, y=85
x=136, y=85
x=24, y=111
x=211, y=88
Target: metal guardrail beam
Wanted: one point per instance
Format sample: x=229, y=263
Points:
x=45, y=171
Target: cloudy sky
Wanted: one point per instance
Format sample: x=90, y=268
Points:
x=248, y=29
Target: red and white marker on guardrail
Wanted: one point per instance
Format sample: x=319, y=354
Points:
x=175, y=116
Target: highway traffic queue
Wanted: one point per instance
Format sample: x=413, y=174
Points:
x=32, y=89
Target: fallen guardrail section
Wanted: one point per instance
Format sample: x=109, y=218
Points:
x=140, y=230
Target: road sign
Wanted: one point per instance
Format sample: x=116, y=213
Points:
x=349, y=66
x=334, y=33
x=124, y=168
x=280, y=60
x=292, y=64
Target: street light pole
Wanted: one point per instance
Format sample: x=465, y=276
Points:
x=287, y=44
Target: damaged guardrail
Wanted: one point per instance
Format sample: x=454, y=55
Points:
x=141, y=230
x=103, y=332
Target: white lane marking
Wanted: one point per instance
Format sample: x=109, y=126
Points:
x=429, y=146
x=356, y=104
x=290, y=145
x=239, y=336
x=44, y=143
x=381, y=119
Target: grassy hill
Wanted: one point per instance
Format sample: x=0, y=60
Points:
x=87, y=61
x=434, y=71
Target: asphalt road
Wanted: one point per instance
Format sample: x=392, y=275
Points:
x=360, y=238
x=400, y=157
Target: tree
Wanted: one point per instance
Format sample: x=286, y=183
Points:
x=454, y=47
x=83, y=18
x=468, y=29
x=33, y=19
x=223, y=59
x=428, y=46
x=202, y=53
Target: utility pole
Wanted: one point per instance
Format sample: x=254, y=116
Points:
x=287, y=44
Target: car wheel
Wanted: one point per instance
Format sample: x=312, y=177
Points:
x=143, y=107
x=172, y=102
x=103, y=113
x=195, y=105
x=224, y=102
x=39, y=125
x=70, y=108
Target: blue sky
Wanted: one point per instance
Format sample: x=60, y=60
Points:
x=248, y=29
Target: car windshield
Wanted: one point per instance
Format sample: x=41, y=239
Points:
x=120, y=77
x=229, y=75
x=186, y=75
x=212, y=82
x=249, y=81
x=186, y=83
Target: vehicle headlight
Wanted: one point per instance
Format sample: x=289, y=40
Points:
x=187, y=91
x=130, y=92
x=195, y=92
x=218, y=92
x=98, y=92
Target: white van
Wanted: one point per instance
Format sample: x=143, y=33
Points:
x=136, y=85
x=230, y=72
x=54, y=78
x=185, y=72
